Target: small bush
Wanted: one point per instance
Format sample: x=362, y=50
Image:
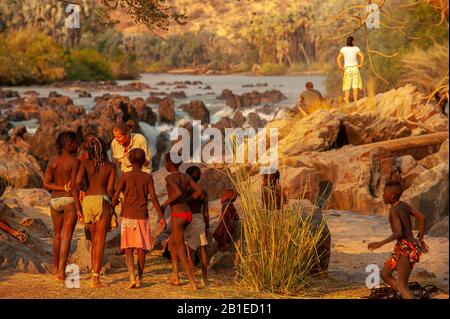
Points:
x=28, y=57
x=156, y=67
x=88, y=65
x=271, y=69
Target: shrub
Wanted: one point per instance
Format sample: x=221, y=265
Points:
x=28, y=57
x=271, y=69
x=88, y=65
x=156, y=67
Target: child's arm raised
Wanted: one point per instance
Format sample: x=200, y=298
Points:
x=396, y=228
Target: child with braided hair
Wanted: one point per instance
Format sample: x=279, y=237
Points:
x=100, y=175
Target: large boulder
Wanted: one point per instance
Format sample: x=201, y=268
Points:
x=368, y=127
x=167, y=111
x=18, y=167
x=316, y=132
x=32, y=256
x=440, y=229
x=429, y=193
x=197, y=110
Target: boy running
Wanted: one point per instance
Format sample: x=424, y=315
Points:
x=408, y=249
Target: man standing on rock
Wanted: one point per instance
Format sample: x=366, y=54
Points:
x=308, y=98
x=124, y=141
x=352, y=77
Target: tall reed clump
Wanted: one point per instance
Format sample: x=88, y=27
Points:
x=279, y=247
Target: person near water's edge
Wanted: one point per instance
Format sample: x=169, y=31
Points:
x=308, y=98
x=352, y=78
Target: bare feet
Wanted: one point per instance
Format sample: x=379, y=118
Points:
x=132, y=285
x=192, y=286
x=204, y=282
x=174, y=280
x=60, y=277
x=95, y=283
x=138, y=282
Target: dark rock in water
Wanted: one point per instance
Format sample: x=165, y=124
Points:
x=5, y=126
x=239, y=118
x=6, y=94
x=30, y=92
x=59, y=100
x=53, y=94
x=144, y=112
x=177, y=95
x=103, y=97
x=135, y=86
x=154, y=99
x=162, y=145
x=251, y=98
x=223, y=123
x=197, y=110
x=266, y=109
x=167, y=111
x=255, y=121
x=83, y=94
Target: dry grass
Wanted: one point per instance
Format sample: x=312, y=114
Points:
x=278, y=248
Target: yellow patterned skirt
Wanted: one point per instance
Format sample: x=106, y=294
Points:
x=92, y=206
x=352, y=78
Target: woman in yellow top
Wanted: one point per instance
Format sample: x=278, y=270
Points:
x=352, y=77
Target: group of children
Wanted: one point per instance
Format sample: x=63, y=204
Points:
x=86, y=189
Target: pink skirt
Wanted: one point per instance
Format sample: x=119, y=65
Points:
x=135, y=233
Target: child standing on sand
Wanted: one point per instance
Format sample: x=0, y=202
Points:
x=136, y=186
x=408, y=249
x=65, y=206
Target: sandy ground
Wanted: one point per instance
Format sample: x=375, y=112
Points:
x=350, y=233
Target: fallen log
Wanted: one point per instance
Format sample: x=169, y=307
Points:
x=410, y=142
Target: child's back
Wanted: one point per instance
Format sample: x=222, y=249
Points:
x=135, y=193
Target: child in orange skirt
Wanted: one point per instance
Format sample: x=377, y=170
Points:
x=136, y=186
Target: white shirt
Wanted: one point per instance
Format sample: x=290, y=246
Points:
x=350, y=55
x=118, y=153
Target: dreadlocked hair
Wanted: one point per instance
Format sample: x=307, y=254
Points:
x=63, y=139
x=97, y=151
